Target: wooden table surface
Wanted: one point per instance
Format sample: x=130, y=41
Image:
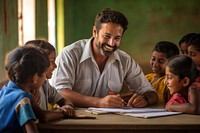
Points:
x=113, y=123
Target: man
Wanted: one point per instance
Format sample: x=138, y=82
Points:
x=88, y=69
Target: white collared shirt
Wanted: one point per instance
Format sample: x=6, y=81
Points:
x=77, y=70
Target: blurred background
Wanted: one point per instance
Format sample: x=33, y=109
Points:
x=62, y=22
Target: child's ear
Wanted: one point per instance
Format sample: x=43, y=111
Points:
x=35, y=78
x=186, y=81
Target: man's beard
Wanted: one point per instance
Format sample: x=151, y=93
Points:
x=105, y=49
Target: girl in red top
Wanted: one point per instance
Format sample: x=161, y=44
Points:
x=181, y=72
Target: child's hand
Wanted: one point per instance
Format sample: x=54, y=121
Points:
x=68, y=110
x=168, y=107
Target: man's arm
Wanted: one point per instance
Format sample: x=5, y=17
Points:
x=81, y=100
x=151, y=96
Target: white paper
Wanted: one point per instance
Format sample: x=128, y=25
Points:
x=126, y=110
x=152, y=114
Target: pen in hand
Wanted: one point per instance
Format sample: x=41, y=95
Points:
x=112, y=93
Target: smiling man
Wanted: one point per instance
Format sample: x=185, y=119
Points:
x=88, y=69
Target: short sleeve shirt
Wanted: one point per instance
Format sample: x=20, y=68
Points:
x=159, y=86
x=77, y=70
x=15, y=109
x=48, y=94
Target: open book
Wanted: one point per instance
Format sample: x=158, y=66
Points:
x=136, y=112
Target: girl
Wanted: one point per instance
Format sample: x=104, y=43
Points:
x=184, y=42
x=26, y=68
x=181, y=72
x=47, y=93
x=194, y=50
x=162, y=52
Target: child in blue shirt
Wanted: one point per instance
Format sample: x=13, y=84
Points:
x=26, y=68
x=162, y=52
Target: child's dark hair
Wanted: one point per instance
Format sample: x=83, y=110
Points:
x=186, y=38
x=109, y=15
x=169, y=48
x=195, y=42
x=23, y=62
x=44, y=45
x=183, y=66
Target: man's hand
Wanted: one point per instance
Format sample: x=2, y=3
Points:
x=111, y=101
x=137, y=101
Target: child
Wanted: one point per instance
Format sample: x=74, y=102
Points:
x=181, y=72
x=184, y=42
x=162, y=52
x=47, y=93
x=194, y=53
x=26, y=68
x=194, y=50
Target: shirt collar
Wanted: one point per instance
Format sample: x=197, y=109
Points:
x=87, y=52
x=12, y=84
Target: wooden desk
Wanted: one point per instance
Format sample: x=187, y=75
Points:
x=112, y=123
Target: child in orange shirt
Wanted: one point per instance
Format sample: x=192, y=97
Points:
x=162, y=52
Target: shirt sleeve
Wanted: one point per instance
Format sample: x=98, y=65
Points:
x=64, y=75
x=135, y=78
x=53, y=95
x=24, y=111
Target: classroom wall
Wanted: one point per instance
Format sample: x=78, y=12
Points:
x=8, y=30
x=150, y=21
x=9, y=27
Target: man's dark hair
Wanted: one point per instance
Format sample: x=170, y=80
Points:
x=109, y=15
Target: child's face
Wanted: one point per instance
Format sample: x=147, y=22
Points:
x=184, y=48
x=39, y=82
x=195, y=55
x=52, y=58
x=173, y=82
x=158, y=62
